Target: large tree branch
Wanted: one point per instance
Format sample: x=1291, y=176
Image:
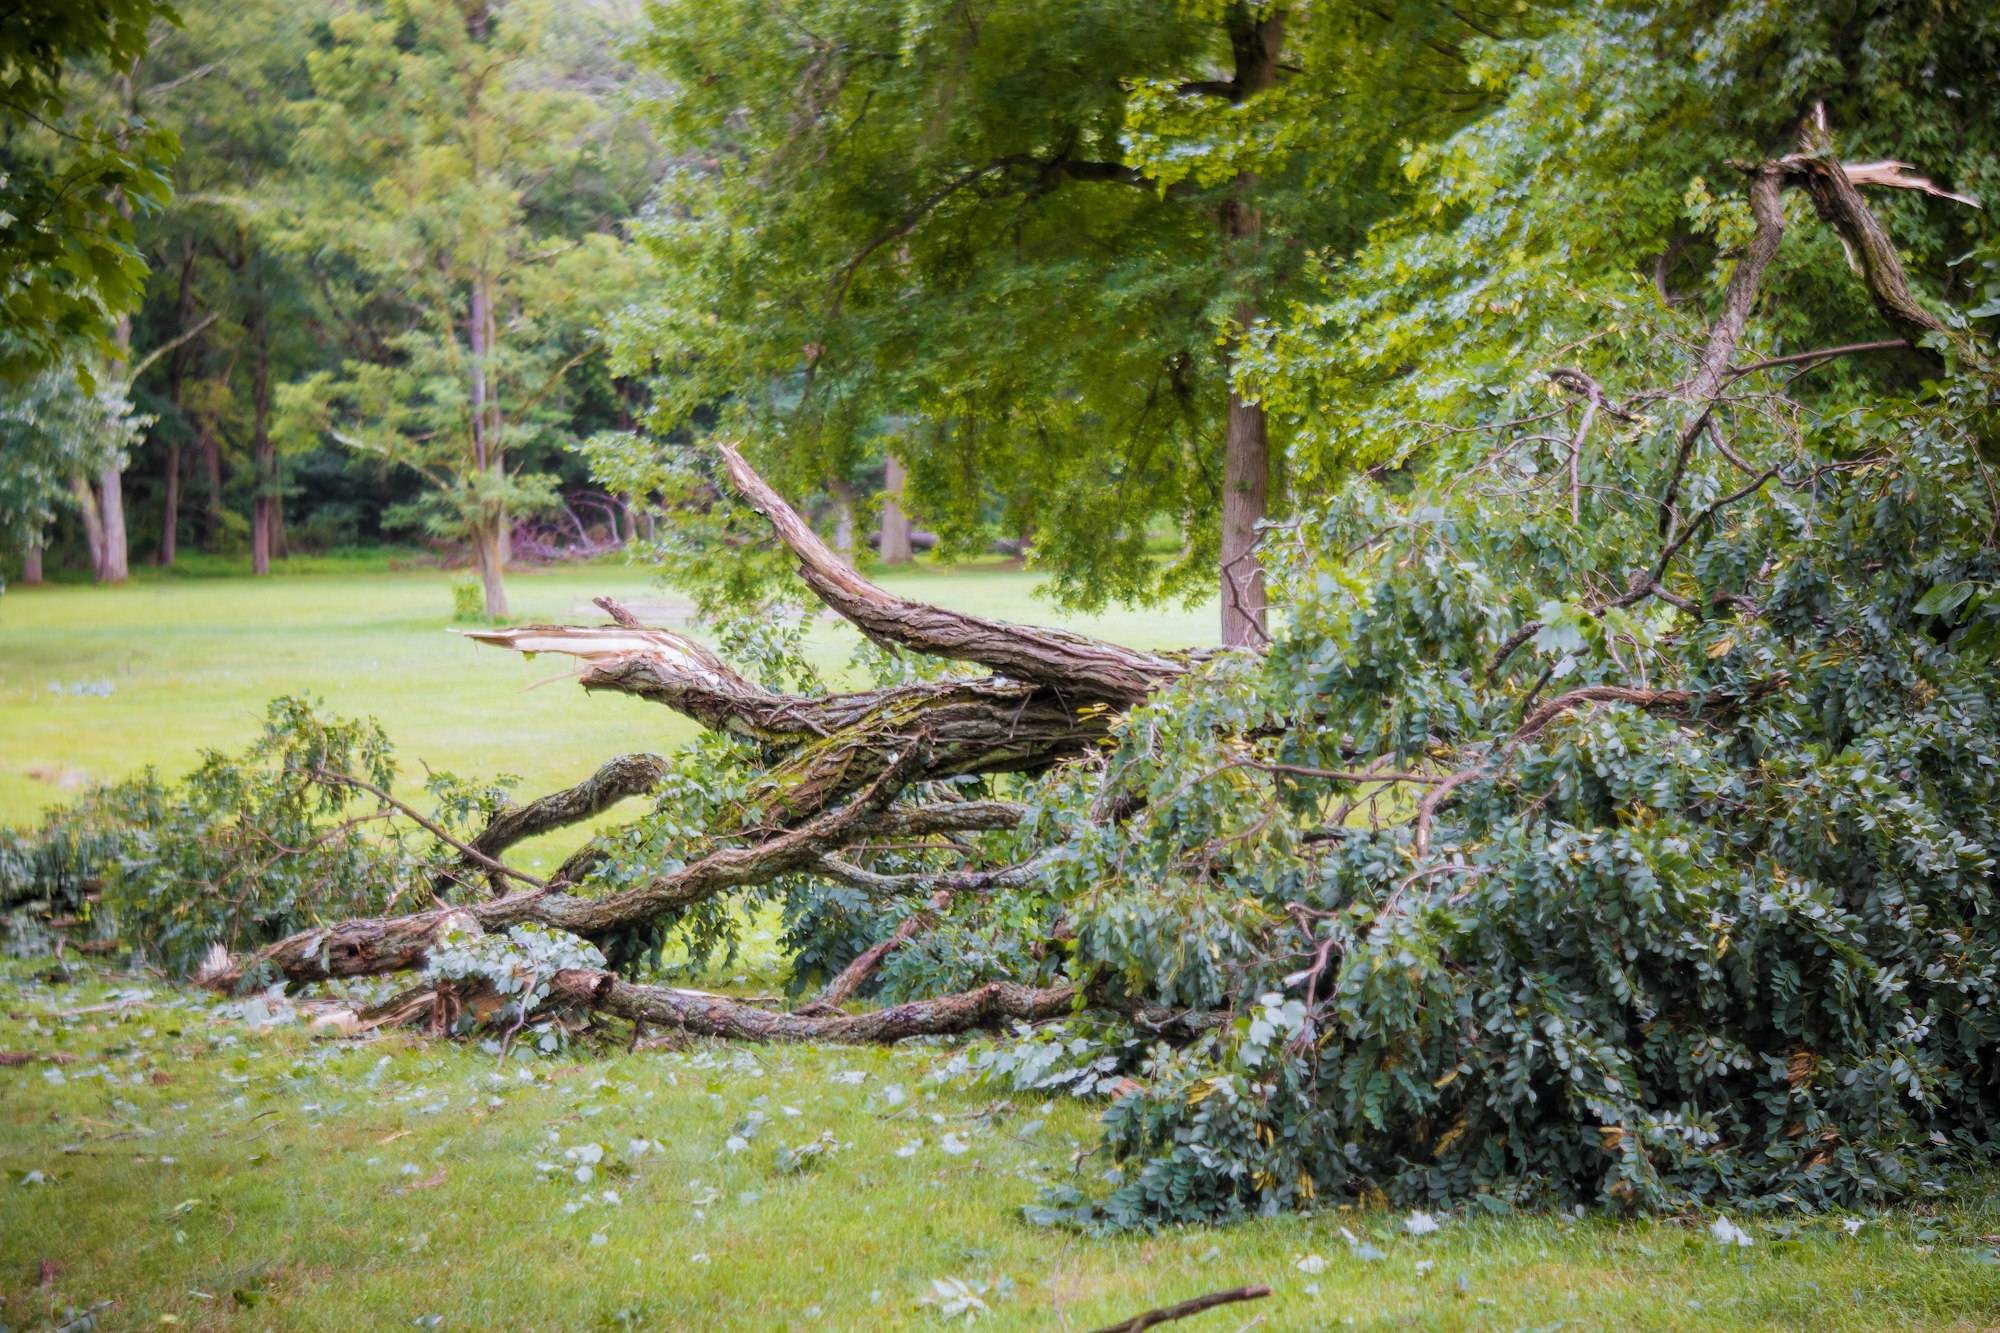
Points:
x=714, y=1016
x=627, y=775
x=1070, y=664
x=371, y=945
x=1711, y=371
x=1830, y=186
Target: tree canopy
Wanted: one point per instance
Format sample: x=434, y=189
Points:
x=70, y=181
x=1016, y=246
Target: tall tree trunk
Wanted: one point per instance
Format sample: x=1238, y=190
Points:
x=843, y=516
x=115, y=564
x=1246, y=480
x=116, y=567
x=93, y=523
x=170, y=506
x=495, y=441
x=263, y=456
x=493, y=539
x=177, y=363
x=31, y=562
x=209, y=448
x=492, y=569
x=1255, y=43
x=895, y=547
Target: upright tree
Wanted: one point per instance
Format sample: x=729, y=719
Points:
x=1027, y=240
x=449, y=155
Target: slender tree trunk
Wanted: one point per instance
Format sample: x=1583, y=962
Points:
x=264, y=458
x=177, y=364
x=492, y=539
x=895, y=523
x=486, y=541
x=170, y=507
x=31, y=563
x=1246, y=452
x=495, y=445
x=115, y=565
x=210, y=450
x=843, y=517
x=93, y=523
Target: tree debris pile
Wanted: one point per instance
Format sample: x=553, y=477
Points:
x=1613, y=818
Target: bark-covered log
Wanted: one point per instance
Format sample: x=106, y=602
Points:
x=627, y=775
x=714, y=1016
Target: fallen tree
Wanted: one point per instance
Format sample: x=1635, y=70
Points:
x=1612, y=818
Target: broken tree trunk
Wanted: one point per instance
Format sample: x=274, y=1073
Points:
x=834, y=771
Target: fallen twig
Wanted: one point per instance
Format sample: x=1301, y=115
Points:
x=1167, y=1314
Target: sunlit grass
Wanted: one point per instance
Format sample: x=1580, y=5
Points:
x=95, y=683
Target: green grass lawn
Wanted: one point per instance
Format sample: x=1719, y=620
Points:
x=97, y=682
x=194, y=1171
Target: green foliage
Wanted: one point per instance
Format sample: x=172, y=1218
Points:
x=1735, y=945
x=468, y=604
x=518, y=965
x=71, y=181
x=247, y=847
x=1738, y=946
x=1002, y=242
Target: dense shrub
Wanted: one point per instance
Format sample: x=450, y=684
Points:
x=243, y=849
x=1739, y=944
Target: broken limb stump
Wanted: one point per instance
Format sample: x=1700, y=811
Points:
x=841, y=989
x=627, y=775
x=1079, y=667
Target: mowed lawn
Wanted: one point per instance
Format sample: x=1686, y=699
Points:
x=95, y=683
x=194, y=1171
x=169, y=1164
